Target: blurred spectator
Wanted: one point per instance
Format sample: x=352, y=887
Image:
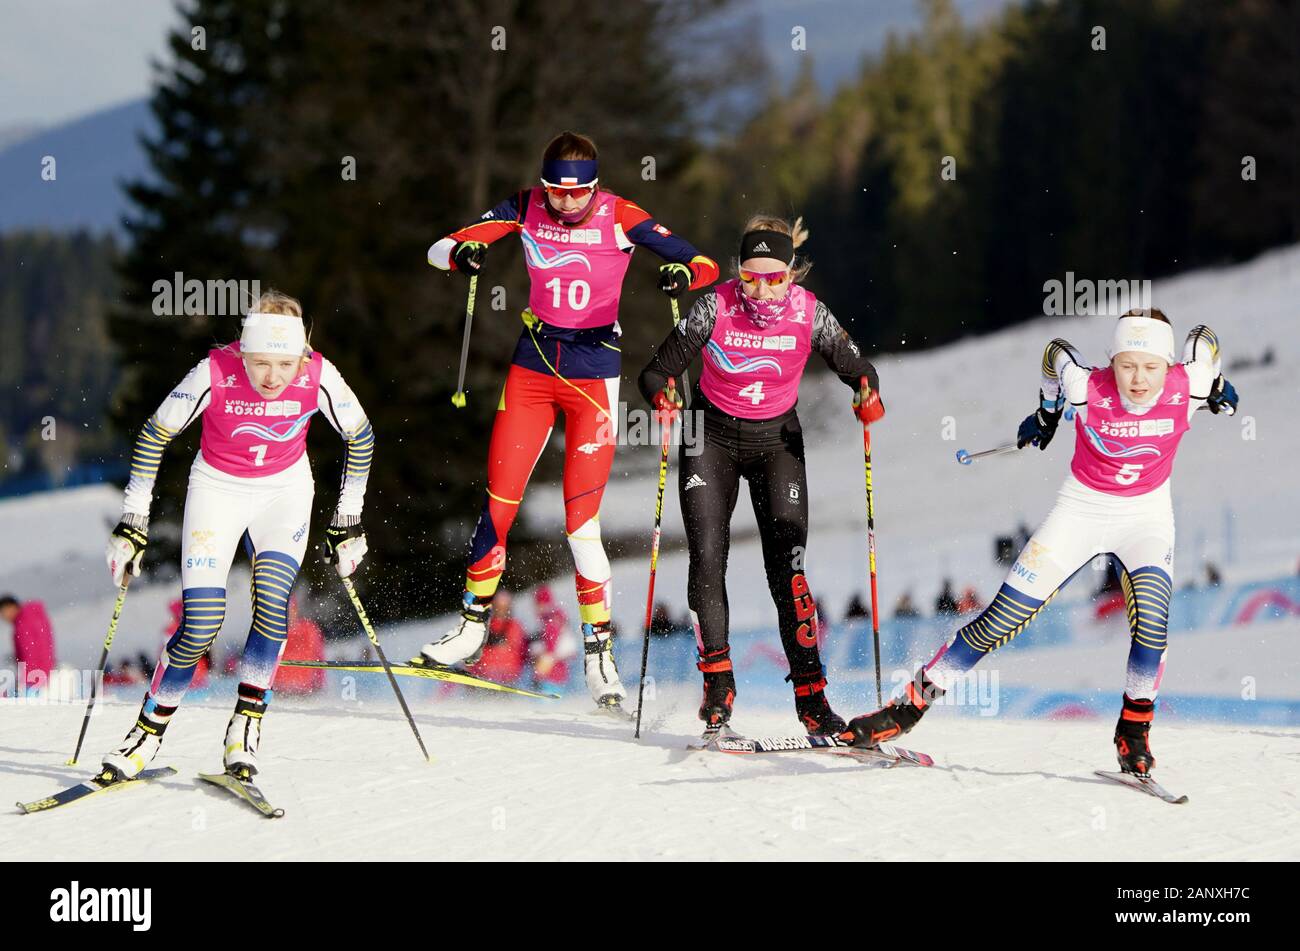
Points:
x=125, y=673
x=306, y=642
x=970, y=602
x=946, y=603
x=857, y=609
x=905, y=607
x=554, y=644
x=506, y=649
x=33, y=638
x=1212, y=577
x=1023, y=535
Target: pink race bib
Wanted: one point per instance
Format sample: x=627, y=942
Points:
x=245, y=434
x=576, y=271
x=1120, y=453
x=754, y=373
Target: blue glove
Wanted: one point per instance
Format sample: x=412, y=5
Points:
x=1041, y=427
x=1223, y=397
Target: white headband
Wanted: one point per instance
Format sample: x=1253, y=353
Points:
x=278, y=334
x=1144, y=335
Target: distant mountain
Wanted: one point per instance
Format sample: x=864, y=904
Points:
x=94, y=155
x=17, y=132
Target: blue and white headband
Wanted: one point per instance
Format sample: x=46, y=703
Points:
x=568, y=173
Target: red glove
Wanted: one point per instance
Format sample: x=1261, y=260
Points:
x=866, y=404
x=668, y=403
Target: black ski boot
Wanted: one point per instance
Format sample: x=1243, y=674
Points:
x=1132, y=746
x=719, y=690
x=896, y=717
x=812, y=707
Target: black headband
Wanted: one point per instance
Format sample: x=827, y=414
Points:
x=767, y=244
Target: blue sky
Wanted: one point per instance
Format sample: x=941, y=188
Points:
x=61, y=59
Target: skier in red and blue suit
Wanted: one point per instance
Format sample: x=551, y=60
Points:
x=578, y=239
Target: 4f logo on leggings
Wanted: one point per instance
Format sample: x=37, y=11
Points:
x=805, y=611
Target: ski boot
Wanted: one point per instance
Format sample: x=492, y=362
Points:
x=812, y=707
x=1132, y=746
x=464, y=642
x=896, y=717
x=719, y=691
x=140, y=746
x=244, y=732
x=599, y=667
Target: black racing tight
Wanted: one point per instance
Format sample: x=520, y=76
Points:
x=708, y=484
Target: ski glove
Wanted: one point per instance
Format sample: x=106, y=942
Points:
x=668, y=403
x=468, y=256
x=675, y=279
x=126, y=547
x=1223, y=397
x=345, y=546
x=1039, y=429
x=866, y=404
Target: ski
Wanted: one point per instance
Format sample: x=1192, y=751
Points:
x=1143, y=783
x=446, y=674
x=710, y=737
x=91, y=787
x=883, y=753
x=245, y=790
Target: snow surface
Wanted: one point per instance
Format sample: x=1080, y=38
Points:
x=525, y=779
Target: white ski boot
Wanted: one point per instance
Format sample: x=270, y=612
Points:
x=243, y=735
x=464, y=642
x=137, y=750
x=598, y=664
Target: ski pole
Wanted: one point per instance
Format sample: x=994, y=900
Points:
x=686, y=380
x=103, y=661
x=458, y=398
x=871, y=557
x=370, y=633
x=966, y=458
x=665, y=438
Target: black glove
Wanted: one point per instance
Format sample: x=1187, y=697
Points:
x=335, y=536
x=675, y=279
x=126, y=547
x=468, y=256
x=1223, y=397
x=1041, y=427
